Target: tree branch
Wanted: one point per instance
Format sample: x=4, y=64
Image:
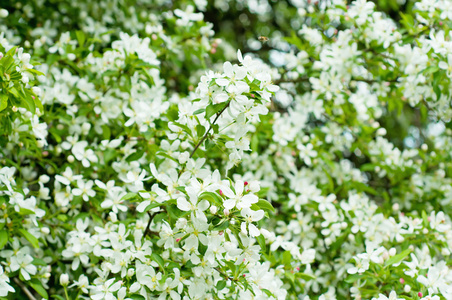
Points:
x=24, y=288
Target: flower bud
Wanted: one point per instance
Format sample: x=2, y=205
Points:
x=64, y=279
x=113, y=217
x=45, y=230
x=407, y=288
x=44, y=178
x=213, y=209
x=392, y=252
x=70, y=159
x=3, y=13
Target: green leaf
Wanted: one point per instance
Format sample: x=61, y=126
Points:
x=214, y=108
x=287, y=258
x=290, y=276
x=80, y=37
x=3, y=101
x=199, y=111
x=212, y=197
x=222, y=226
x=39, y=262
x=3, y=238
x=425, y=218
x=135, y=156
x=151, y=206
x=430, y=70
x=221, y=285
x=397, y=258
x=7, y=62
x=31, y=238
x=353, y=278
x=362, y=187
x=261, y=240
x=200, y=130
x=29, y=103
x=37, y=286
x=106, y=132
x=24, y=211
x=157, y=258
x=265, y=205
x=129, y=196
x=305, y=276
x=184, y=128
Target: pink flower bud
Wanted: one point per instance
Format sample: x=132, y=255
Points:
x=402, y=281
x=419, y=294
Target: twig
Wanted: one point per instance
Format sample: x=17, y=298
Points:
x=25, y=289
x=225, y=276
x=208, y=130
x=148, y=230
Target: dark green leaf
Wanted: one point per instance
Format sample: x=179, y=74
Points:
x=214, y=108
x=222, y=226
x=221, y=285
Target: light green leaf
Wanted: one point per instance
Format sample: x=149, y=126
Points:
x=3, y=238
x=31, y=238
x=397, y=258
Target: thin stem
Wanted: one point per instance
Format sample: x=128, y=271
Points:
x=208, y=130
x=24, y=288
x=65, y=293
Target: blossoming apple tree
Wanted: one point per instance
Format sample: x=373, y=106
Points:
x=153, y=150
